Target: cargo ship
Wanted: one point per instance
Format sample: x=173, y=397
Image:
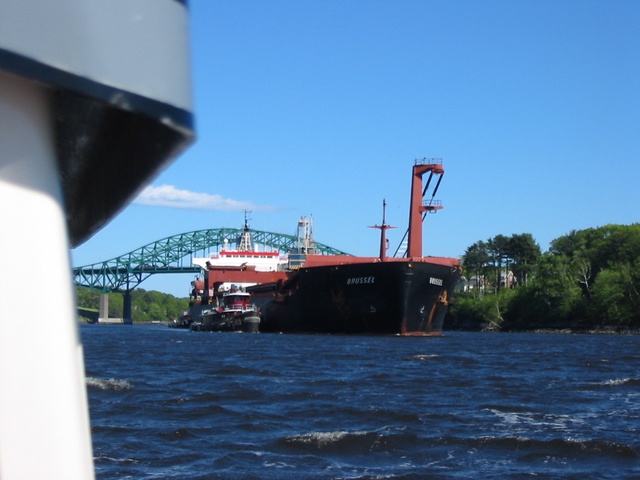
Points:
x=308, y=292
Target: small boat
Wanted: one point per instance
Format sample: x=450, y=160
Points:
x=232, y=271
x=183, y=321
x=235, y=313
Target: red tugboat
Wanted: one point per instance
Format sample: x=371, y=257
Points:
x=378, y=295
x=221, y=293
x=236, y=313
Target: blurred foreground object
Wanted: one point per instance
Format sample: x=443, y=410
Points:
x=119, y=85
x=95, y=98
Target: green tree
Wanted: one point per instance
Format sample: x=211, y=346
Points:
x=567, y=245
x=616, y=295
x=600, y=246
x=548, y=301
x=87, y=298
x=481, y=312
x=145, y=305
x=525, y=252
x=475, y=261
x=498, y=248
x=588, y=278
x=555, y=287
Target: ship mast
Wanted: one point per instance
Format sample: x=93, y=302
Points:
x=304, y=237
x=245, y=243
x=383, y=232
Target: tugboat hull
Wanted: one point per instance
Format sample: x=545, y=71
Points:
x=248, y=322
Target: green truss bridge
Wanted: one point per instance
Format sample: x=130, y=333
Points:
x=173, y=255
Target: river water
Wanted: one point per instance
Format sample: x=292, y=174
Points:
x=169, y=403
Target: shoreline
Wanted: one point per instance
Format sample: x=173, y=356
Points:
x=559, y=331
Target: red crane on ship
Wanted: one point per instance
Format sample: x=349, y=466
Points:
x=419, y=207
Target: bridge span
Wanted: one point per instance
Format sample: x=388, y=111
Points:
x=172, y=255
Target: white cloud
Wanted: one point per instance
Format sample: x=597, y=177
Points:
x=170, y=196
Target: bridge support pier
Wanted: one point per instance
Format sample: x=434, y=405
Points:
x=127, y=318
x=103, y=315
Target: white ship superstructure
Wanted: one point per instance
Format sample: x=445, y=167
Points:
x=245, y=255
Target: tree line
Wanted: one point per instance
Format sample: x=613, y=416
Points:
x=587, y=280
x=146, y=306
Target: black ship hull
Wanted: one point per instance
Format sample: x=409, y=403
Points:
x=394, y=297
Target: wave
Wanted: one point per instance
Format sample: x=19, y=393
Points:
x=558, y=446
x=321, y=439
x=344, y=442
x=510, y=408
x=346, y=446
x=423, y=358
x=108, y=384
x=614, y=382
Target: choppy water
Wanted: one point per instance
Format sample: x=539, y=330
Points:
x=168, y=403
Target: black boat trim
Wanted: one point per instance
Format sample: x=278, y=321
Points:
x=57, y=79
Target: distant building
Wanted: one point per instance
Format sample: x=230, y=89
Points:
x=481, y=282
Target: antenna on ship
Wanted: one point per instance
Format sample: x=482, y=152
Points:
x=245, y=244
x=246, y=219
x=418, y=207
x=384, y=243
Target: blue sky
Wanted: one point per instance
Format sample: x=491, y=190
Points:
x=321, y=107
